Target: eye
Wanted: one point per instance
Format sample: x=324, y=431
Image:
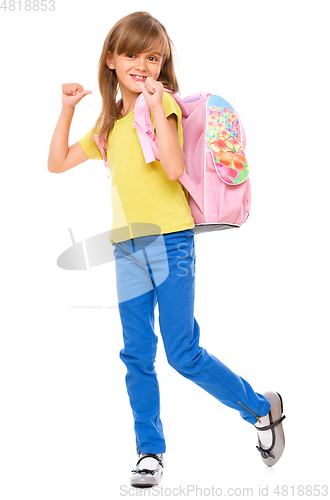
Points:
x=154, y=58
x=130, y=55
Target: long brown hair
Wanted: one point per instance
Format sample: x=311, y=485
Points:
x=138, y=32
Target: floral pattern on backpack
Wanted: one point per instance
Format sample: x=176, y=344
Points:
x=224, y=138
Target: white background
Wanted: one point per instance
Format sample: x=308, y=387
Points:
x=261, y=291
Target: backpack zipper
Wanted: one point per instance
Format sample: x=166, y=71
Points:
x=258, y=418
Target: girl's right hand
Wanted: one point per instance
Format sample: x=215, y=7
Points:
x=72, y=93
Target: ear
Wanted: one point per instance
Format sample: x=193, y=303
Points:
x=109, y=61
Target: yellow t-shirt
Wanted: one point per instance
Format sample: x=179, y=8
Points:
x=144, y=200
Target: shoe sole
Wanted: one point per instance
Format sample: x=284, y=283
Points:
x=146, y=485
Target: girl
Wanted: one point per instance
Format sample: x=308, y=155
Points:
x=153, y=237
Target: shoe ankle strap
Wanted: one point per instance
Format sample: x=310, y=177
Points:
x=152, y=455
x=267, y=427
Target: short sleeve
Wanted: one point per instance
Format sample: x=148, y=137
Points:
x=171, y=106
x=90, y=149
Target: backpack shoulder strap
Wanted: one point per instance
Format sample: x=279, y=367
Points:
x=144, y=126
x=145, y=130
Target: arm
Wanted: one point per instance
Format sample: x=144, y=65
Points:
x=170, y=152
x=61, y=157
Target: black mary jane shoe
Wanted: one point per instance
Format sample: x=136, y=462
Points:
x=143, y=477
x=275, y=415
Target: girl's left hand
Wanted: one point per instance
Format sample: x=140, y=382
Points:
x=152, y=91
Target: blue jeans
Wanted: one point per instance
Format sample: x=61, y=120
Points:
x=161, y=268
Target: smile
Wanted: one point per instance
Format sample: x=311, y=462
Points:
x=138, y=78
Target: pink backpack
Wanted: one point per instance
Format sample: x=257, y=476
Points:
x=216, y=176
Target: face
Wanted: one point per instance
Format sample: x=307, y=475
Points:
x=135, y=67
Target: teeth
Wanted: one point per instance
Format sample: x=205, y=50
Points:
x=139, y=77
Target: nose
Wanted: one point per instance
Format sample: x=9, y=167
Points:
x=140, y=64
